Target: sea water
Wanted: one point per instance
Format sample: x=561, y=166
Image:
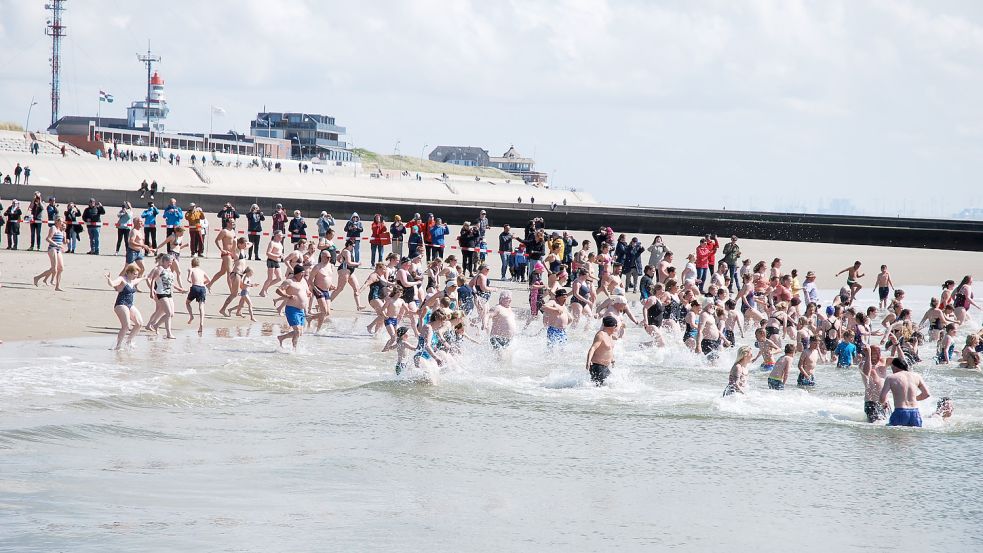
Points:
x=226, y=443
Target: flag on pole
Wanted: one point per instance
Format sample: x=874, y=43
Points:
x=218, y=110
x=105, y=97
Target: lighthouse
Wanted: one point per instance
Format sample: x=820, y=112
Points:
x=156, y=104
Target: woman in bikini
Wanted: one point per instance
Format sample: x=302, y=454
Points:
x=346, y=273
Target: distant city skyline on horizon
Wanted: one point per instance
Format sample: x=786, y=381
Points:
x=866, y=106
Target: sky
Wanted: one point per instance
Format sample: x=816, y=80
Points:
x=784, y=105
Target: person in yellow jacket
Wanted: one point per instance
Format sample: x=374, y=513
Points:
x=194, y=216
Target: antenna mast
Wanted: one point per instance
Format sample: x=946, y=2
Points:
x=149, y=59
x=56, y=31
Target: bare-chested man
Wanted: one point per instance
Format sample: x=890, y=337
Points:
x=873, y=371
x=807, y=364
x=323, y=280
x=274, y=256
x=600, y=356
x=708, y=336
x=908, y=389
x=225, y=242
x=501, y=321
x=557, y=318
x=294, y=292
x=136, y=248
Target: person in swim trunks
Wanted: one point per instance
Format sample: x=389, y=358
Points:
x=908, y=389
x=294, y=291
x=853, y=276
x=557, y=318
x=779, y=375
x=600, y=355
x=500, y=319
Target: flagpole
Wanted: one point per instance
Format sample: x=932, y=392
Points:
x=99, y=113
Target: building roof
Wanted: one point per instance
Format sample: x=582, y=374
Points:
x=460, y=150
x=83, y=121
x=512, y=156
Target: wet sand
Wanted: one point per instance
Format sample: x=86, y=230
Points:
x=85, y=307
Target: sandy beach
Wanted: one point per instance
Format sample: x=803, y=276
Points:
x=84, y=308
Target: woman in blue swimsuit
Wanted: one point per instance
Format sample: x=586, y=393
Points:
x=130, y=320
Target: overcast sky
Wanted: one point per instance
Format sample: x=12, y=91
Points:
x=764, y=105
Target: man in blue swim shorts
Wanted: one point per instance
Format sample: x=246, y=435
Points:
x=294, y=290
x=557, y=318
x=908, y=389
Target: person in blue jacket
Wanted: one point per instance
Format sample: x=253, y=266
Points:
x=149, y=217
x=173, y=215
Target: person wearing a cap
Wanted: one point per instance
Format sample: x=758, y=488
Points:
x=809, y=292
x=557, y=318
x=294, y=293
x=600, y=355
x=353, y=231
x=482, y=223
x=92, y=215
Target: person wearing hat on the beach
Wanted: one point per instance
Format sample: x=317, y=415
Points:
x=600, y=355
x=482, y=223
x=557, y=318
x=294, y=292
x=809, y=292
x=353, y=231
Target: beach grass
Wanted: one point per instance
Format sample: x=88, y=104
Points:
x=373, y=160
x=8, y=126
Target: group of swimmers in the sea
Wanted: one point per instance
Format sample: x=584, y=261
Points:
x=427, y=307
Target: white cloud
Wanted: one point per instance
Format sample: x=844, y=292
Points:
x=711, y=95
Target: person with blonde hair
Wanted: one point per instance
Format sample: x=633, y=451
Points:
x=737, y=379
x=130, y=320
x=56, y=246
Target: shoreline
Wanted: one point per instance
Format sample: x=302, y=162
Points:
x=85, y=308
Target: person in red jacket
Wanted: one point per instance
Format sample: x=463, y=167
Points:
x=378, y=238
x=703, y=253
x=428, y=224
x=714, y=245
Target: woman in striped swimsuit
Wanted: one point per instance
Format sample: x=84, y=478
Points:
x=56, y=245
